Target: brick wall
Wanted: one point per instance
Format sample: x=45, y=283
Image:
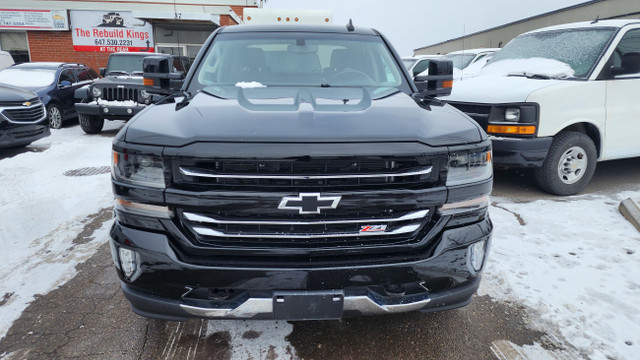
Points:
x=58, y=46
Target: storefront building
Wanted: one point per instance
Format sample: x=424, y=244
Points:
x=88, y=31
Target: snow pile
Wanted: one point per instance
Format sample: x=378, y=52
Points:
x=43, y=211
x=250, y=84
x=553, y=69
x=124, y=103
x=575, y=263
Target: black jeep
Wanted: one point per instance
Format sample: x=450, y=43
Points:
x=120, y=94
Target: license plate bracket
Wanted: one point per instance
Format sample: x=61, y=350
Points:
x=308, y=305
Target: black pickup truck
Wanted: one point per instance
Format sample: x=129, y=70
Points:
x=299, y=173
x=120, y=94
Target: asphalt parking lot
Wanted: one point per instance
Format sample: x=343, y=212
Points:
x=87, y=316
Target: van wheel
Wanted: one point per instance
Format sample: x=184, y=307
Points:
x=569, y=165
x=91, y=124
x=54, y=113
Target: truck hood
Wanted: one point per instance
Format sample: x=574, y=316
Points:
x=301, y=115
x=496, y=89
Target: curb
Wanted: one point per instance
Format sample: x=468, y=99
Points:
x=630, y=209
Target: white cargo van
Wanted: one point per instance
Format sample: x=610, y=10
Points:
x=5, y=60
x=559, y=99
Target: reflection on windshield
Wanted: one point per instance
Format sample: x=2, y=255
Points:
x=578, y=48
x=33, y=78
x=408, y=63
x=460, y=61
x=295, y=59
x=125, y=64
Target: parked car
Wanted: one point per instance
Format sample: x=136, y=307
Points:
x=120, y=94
x=463, y=58
x=55, y=84
x=23, y=119
x=419, y=63
x=559, y=99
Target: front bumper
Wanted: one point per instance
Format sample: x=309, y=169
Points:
x=166, y=287
x=12, y=134
x=120, y=112
x=514, y=152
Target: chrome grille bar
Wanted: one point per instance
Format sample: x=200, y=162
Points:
x=210, y=220
x=209, y=174
x=210, y=232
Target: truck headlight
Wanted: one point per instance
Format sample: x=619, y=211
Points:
x=514, y=119
x=469, y=167
x=138, y=169
x=512, y=114
x=96, y=92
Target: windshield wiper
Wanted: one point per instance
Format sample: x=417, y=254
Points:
x=117, y=72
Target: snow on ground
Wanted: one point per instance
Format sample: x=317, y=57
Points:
x=256, y=339
x=43, y=211
x=574, y=262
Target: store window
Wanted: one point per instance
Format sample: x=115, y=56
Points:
x=15, y=43
x=181, y=39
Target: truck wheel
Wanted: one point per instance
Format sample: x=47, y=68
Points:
x=91, y=124
x=54, y=113
x=569, y=165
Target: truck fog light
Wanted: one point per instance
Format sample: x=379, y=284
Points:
x=106, y=110
x=128, y=261
x=129, y=111
x=476, y=254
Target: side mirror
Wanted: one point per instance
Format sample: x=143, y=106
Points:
x=103, y=71
x=159, y=75
x=64, y=84
x=630, y=64
x=439, y=80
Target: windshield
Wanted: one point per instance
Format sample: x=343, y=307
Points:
x=578, y=48
x=297, y=59
x=32, y=78
x=125, y=64
x=460, y=61
x=409, y=62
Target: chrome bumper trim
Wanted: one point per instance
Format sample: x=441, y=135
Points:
x=261, y=306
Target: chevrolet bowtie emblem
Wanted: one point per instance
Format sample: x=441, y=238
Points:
x=26, y=103
x=309, y=203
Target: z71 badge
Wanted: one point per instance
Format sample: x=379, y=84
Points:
x=373, y=228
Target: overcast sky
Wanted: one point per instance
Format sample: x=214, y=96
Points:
x=410, y=24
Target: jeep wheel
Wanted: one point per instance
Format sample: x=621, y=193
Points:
x=569, y=165
x=54, y=114
x=91, y=124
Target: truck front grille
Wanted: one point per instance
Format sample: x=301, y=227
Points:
x=120, y=94
x=478, y=112
x=296, y=232
x=306, y=174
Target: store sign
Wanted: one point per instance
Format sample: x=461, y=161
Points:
x=33, y=19
x=111, y=31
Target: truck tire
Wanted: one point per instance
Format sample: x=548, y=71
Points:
x=91, y=124
x=569, y=166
